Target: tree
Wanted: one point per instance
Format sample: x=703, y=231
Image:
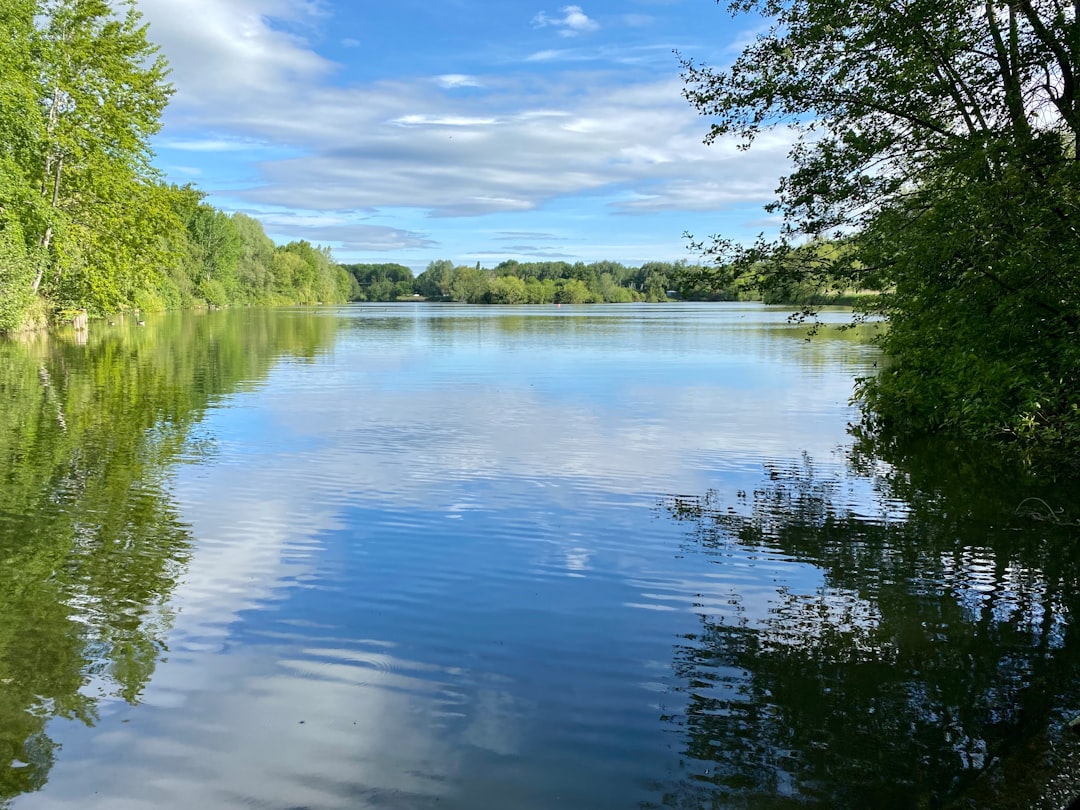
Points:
x=220, y=249
x=468, y=285
x=85, y=222
x=938, y=138
x=380, y=282
x=290, y=272
x=573, y=291
x=102, y=89
x=307, y=274
x=20, y=122
x=256, y=254
x=434, y=282
x=507, y=290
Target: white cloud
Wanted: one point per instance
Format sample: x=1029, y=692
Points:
x=232, y=48
x=546, y=56
x=442, y=121
x=214, y=145
x=514, y=235
x=573, y=22
x=244, y=85
x=452, y=80
x=366, y=238
x=368, y=147
x=299, y=219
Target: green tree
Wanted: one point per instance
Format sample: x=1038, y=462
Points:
x=380, y=282
x=539, y=292
x=939, y=137
x=103, y=89
x=573, y=291
x=507, y=290
x=307, y=274
x=253, y=274
x=219, y=245
x=469, y=285
x=381, y=290
x=21, y=208
x=16, y=273
x=434, y=282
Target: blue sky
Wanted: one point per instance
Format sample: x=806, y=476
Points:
x=412, y=130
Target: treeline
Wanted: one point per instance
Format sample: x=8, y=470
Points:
x=513, y=282
x=85, y=221
x=223, y=259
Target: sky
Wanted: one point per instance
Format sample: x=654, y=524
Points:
x=410, y=131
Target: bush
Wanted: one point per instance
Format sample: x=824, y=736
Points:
x=213, y=292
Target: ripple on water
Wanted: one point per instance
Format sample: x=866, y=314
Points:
x=434, y=566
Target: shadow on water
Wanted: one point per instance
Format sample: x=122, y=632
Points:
x=91, y=545
x=937, y=665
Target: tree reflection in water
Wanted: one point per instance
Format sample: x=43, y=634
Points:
x=936, y=666
x=91, y=545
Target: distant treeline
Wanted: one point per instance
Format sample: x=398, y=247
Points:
x=512, y=282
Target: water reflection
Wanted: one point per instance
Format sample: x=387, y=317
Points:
x=937, y=662
x=415, y=559
x=91, y=542
x=411, y=557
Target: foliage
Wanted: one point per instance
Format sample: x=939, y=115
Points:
x=316, y=279
x=254, y=281
x=20, y=202
x=937, y=144
x=84, y=221
x=379, y=282
x=513, y=282
x=16, y=275
x=102, y=89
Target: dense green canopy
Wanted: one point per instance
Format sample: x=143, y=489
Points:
x=560, y=282
x=937, y=147
x=85, y=222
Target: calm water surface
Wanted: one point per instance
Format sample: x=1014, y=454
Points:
x=426, y=556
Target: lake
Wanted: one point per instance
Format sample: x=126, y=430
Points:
x=418, y=556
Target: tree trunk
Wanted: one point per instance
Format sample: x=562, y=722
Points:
x=46, y=238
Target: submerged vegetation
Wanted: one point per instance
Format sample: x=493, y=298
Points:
x=85, y=221
x=937, y=143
